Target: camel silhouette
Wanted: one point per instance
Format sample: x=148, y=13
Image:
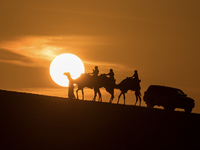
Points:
x=129, y=84
x=86, y=80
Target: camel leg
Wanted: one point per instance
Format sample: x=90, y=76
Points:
x=140, y=99
x=137, y=95
x=74, y=97
x=112, y=95
x=82, y=95
x=100, y=98
x=124, y=98
x=77, y=93
x=119, y=97
x=95, y=94
x=111, y=99
x=136, y=100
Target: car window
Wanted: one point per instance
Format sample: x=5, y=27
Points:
x=179, y=92
x=165, y=90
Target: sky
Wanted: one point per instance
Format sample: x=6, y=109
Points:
x=159, y=38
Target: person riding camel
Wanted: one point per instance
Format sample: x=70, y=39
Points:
x=95, y=71
x=137, y=92
x=111, y=75
x=135, y=76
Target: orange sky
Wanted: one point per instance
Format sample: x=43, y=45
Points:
x=158, y=38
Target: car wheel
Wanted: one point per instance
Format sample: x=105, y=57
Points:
x=150, y=105
x=169, y=108
x=188, y=110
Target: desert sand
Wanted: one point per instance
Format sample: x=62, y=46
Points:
x=30, y=121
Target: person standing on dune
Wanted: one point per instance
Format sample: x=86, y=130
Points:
x=71, y=86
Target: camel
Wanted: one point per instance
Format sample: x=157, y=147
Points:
x=86, y=80
x=129, y=84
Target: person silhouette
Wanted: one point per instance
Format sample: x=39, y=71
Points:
x=71, y=88
x=137, y=92
x=111, y=74
x=135, y=75
x=95, y=71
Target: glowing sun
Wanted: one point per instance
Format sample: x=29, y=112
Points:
x=66, y=63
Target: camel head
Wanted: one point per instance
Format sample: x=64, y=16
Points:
x=68, y=75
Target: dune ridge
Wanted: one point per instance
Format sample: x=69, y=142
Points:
x=31, y=121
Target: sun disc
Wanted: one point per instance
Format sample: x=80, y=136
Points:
x=66, y=63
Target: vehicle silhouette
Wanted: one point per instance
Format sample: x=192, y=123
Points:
x=168, y=97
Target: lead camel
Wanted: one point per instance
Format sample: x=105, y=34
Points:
x=86, y=80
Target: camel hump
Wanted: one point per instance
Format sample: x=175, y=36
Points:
x=129, y=84
x=103, y=75
x=85, y=75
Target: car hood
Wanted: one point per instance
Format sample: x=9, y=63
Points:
x=185, y=98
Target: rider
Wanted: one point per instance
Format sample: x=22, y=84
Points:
x=95, y=71
x=135, y=76
x=111, y=74
x=137, y=91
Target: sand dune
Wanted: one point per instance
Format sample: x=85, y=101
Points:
x=30, y=121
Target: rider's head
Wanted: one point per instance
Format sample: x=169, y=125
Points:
x=96, y=67
x=111, y=70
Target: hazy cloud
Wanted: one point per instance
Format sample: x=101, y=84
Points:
x=8, y=55
x=41, y=50
x=14, y=58
x=37, y=49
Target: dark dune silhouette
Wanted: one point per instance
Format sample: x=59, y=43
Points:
x=86, y=80
x=129, y=84
x=30, y=121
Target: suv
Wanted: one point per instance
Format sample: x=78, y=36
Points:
x=168, y=97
